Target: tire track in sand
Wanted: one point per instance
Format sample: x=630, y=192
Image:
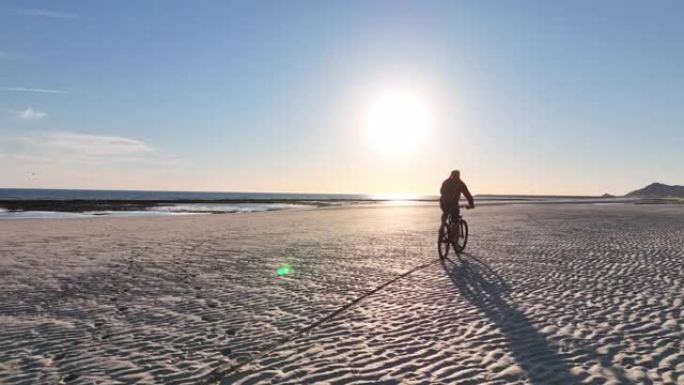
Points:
x=218, y=375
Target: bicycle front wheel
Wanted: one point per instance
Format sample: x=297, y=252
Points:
x=443, y=241
x=461, y=239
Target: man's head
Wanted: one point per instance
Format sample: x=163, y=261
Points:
x=455, y=175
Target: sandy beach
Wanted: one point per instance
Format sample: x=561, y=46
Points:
x=545, y=294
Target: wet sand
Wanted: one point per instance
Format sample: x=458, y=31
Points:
x=544, y=294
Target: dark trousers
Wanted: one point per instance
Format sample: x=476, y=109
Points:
x=449, y=208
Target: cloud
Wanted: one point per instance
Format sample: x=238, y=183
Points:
x=4, y=55
x=71, y=148
x=95, y=145
x=70, y=159
x=37, y=90
x=28, y=114
x=44, y=13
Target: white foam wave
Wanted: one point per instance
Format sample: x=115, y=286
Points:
x=176, y=209
x=4, y=214
x=212, y=208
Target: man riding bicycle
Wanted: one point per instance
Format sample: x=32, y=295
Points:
x=450, y=194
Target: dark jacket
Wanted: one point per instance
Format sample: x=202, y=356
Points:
x=451, y=190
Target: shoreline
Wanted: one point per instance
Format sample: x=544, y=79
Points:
x=59, y=209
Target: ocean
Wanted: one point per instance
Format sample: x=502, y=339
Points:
x=64, y=194
x=67, y=203
x=18, y=203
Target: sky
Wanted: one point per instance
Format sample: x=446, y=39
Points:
x=524, y=97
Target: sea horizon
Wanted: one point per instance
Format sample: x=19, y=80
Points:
x=14, y=193
x=17, y=203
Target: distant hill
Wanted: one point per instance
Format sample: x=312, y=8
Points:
x=658, y=190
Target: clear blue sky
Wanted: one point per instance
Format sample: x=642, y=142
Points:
x=580, y=97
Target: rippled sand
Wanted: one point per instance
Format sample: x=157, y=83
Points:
x=546, y=294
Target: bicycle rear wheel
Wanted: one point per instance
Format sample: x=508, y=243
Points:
x=460, y=241
x=443, y=241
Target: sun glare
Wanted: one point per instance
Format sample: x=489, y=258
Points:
x=398, y=121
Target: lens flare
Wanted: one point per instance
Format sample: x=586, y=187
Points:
x=284, y=270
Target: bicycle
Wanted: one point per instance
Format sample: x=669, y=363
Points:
x=452, y=233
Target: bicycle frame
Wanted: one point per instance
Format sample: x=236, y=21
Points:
x=450, y=232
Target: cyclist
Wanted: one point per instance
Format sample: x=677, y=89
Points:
x=450, y=194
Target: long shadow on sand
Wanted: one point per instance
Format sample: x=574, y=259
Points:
x=482, y=287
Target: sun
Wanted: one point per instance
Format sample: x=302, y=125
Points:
x=398, y=121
